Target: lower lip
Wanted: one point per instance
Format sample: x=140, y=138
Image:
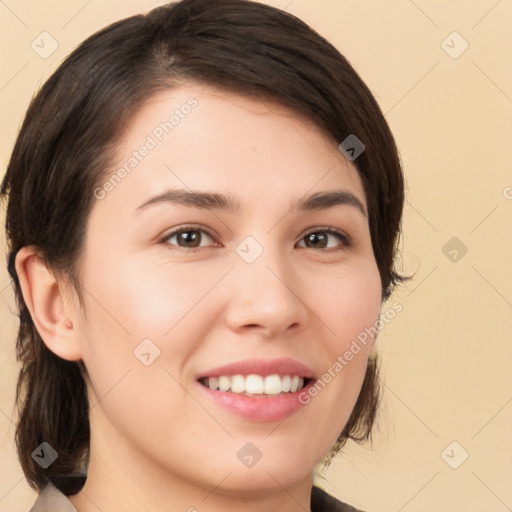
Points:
x=265, y=408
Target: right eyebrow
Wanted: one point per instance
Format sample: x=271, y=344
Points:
x=204, y=200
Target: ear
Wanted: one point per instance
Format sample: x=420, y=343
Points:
x=43, y=296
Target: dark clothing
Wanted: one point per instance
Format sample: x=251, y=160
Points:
x=323, y=502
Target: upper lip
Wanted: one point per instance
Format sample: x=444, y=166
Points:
x=263, y=367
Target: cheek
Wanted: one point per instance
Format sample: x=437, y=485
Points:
x=350, y=311
x=147, y=298
x=351, y=306
x=134, y=301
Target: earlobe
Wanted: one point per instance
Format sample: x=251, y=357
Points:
x=43, y=296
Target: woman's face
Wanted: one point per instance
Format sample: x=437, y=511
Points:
x=214, y=248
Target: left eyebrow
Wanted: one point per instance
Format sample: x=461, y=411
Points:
x=322, y=200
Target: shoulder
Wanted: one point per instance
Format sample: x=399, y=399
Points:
x=323, y=502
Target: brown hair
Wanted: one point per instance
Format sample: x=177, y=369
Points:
x=63, y=148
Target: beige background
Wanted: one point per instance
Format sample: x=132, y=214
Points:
x=447, y=354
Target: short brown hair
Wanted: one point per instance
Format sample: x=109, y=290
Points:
x=63, y=149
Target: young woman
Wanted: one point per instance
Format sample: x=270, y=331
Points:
x=203, y=207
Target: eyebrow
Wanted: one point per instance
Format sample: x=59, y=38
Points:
x=215, y=201
x=322, y=200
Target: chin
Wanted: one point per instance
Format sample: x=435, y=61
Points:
x=265, y=479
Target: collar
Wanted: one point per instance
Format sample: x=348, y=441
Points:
x=51, y=498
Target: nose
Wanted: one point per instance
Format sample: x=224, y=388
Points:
x=266, y=298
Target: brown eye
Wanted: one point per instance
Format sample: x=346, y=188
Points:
x=189, y=238
x=325, y=239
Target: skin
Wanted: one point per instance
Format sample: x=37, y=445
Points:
x=157, y=443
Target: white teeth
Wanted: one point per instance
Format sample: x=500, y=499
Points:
x=286, y=383
x=255, y=384
x=213, y=383
x=238, y=384
x=273, y=385
x=224, y=383
x=294, y=386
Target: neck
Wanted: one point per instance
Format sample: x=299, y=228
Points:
x=122, y=478
x=110, y=493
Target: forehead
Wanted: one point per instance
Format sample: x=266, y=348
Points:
x=203, y=138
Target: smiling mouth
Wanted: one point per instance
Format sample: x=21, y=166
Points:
x=256, y=385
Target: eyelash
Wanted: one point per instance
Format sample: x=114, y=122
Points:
x=345, y=240
x=186, y=228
